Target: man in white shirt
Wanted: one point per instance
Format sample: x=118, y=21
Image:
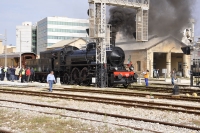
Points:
x=50, y=80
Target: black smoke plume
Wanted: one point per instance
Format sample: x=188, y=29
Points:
x=165, y=17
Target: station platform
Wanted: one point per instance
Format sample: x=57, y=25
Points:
x=18, y=83
x=152, y=81
x=167, y=81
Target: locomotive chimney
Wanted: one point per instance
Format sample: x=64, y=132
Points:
x=112, y=36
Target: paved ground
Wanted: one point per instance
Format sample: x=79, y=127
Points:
x=154, y=81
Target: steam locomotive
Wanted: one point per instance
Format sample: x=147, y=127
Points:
x=76, y=66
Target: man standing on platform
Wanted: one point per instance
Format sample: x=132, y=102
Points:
x=32, y=74
x=22, y=74
x=28, y=74
x=146, y=77
x=12, y=74
x=17, y=73
x=50, y=80
x=8, y=74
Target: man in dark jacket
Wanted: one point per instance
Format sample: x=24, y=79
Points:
x=12, y=74
x=32, y=74
x=8, y=73
x=2, y=73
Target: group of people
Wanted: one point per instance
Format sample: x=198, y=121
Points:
x=146, y=76
x=15, y=73
x=26, y=75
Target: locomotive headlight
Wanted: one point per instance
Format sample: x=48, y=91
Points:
x=116, y=68
x=131, y=68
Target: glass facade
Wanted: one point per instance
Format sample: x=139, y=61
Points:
x=51, y=30
x=34, y=41
x=66, y=30
x=67, y=23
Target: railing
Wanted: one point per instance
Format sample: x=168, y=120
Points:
x=129, y=3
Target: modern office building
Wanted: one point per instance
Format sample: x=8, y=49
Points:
x=51, y=30
x=26, y=37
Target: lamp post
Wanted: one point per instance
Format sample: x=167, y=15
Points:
x=20, y=50
x=5, y=39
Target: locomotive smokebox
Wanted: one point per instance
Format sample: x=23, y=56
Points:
x=116, y=57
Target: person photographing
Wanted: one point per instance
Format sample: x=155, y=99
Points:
x=146, y=77
x=51, y=80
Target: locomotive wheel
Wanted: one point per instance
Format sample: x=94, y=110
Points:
x=75, y=76
x=84, y=77
x=66, y=78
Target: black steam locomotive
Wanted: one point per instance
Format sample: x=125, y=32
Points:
x=75, y=66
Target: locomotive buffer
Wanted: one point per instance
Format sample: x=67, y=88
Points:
x=99, y=33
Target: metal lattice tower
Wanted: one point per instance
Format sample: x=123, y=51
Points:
x=98, y=29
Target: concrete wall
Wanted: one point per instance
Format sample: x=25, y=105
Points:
x=10, y=62
x=11, y=49
x=176, y=58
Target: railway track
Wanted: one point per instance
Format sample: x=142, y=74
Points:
x=182, y=90
x=161, y=89
x=107, y=114
x=143, y=93
x=137, y=94
x=114, y=101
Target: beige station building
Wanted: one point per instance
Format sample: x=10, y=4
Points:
x=10, y=49
x=163, y=53
x=76, y=42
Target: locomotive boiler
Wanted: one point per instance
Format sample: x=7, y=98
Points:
x=76, y=66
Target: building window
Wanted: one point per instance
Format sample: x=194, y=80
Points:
x=138, y=65
x=66, y=23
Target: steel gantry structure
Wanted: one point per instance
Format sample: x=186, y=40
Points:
x=99, y=30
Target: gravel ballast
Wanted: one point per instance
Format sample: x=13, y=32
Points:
x=167, y=116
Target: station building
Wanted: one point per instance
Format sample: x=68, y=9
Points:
x=158, y=53
x=76, y=42
x=51, y=30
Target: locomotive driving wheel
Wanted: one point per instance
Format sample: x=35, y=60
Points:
x=84, y=77
x=66, y=78
x=75, y=76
